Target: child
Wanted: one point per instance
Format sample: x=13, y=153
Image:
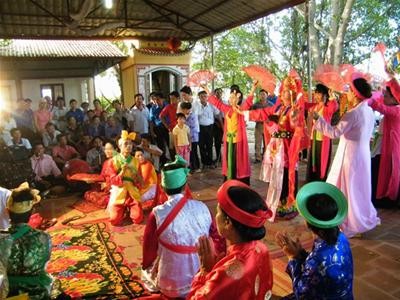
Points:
x=192, y=121
x=182, y=137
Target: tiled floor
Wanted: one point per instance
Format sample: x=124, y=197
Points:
x=376, y=255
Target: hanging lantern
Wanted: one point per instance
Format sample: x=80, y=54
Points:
x=173, y=44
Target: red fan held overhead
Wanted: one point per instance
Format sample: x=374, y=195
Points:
x=265, y=79
x=200, y=77
x=329, y=76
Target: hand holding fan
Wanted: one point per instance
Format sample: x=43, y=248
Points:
x=265, y=78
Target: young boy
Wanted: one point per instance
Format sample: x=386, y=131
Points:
x=192, y=121
x=182, y=137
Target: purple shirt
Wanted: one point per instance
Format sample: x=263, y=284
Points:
x=193, y=123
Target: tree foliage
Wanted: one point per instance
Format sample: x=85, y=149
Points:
x=342, y=31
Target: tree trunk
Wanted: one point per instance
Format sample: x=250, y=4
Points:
x=344, y=22
x=314, y=41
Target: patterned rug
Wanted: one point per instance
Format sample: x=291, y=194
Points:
x=89, y=265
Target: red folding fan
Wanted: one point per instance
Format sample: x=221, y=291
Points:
x=346, y=70
x=329, y=76
x=86, y=177
x=265, y=78
x=200, y=77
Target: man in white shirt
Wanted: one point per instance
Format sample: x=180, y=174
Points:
x=206, y=115
x=140, y=115
x=59, y=113
x=187, y=96
x=18, y=140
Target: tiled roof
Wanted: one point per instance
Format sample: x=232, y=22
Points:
x=60, y=49
x=162, y=51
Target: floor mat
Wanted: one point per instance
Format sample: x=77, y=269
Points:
x=89, y=265
x=85, y=206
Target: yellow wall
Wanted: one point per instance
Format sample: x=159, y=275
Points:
x=129, y=70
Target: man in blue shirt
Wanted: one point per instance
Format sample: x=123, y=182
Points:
x=75, y=112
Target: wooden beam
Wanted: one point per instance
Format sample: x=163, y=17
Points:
x=212, y=7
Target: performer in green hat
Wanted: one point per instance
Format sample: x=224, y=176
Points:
x=173, y=228
x=327, y=271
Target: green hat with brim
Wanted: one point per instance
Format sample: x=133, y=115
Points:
x=315, y=188
x=173, y=179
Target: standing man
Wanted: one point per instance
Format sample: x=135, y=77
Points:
x=169, y=119
x=206, y=121
x=259, y=129
x=187, y=96
x=218, y=128
x=140, y=116
x=157, y=128
x=121, y=115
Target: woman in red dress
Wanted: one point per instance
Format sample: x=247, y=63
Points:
x=100, y=193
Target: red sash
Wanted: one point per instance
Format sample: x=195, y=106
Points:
x=168, y=220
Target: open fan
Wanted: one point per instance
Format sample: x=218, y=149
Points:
x=265, y=78
x=86, y=177
x=329, y=76
x=346, y=70
x=200, y=77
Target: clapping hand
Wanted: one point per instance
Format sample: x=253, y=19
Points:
x=292, y=248
x=206, y=253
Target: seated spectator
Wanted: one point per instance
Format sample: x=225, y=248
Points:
x=47, y=174
x=29, y=248
x=74, y=131
x=42, y=116
x=246, y=269
x=170, y=258
x=50, y=136
x=112, y=129
x=59, y=114
x=95, y=128
x=75, y=112
x=18, y=140
x=84, y=146
x=63, y=152
x=151, y=152
x=104, y=117
x=98, y=109
x=88, y=119
x=99, y=194
x=327, y=271
x=24, y=118
x=148, y=173
x=7, y=123
x=19, y=146
x=95, y=156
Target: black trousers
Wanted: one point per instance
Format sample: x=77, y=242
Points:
x=218, y=133
x=162, y=141
x=316, y=175
x=194, y=157
x=206, y=143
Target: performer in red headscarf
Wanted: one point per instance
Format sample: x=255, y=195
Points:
x=245, y=272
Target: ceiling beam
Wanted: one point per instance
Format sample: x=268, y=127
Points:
x=155, y=7
x=159, y=7
x=214, y=6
